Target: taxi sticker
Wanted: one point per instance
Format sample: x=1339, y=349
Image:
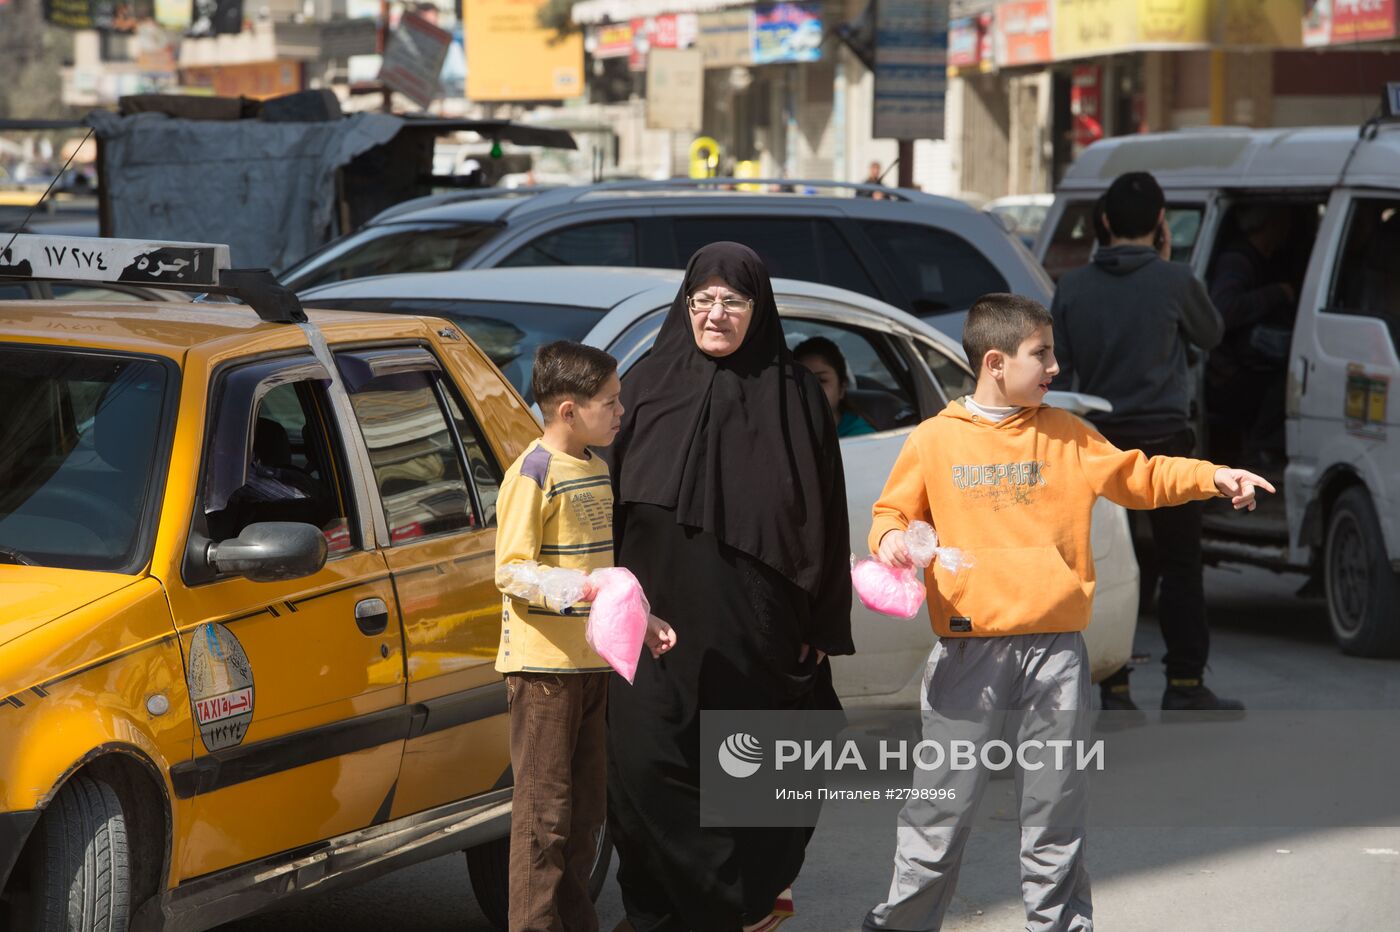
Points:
x=221, y=687
x=1365, y=405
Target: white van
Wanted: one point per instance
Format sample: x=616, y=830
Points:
x=1331, y=196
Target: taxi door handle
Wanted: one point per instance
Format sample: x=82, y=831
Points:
x=371, y=616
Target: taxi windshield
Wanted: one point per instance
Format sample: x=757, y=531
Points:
x=79, y=434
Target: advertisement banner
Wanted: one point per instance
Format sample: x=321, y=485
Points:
x=675, y=89
x=1362, y=21
x=1317, y=22
x=613, y=40
x=513, y=58
x=413, y=59
x=103, y=15
x=726, y=39
x=1023, y=33
x=911, y=69
x=964, y=42
x=1259, y=23
x=1175, y=22
x=668, y=31
x=787, y=32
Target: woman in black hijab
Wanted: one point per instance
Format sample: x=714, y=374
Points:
x=731, y=511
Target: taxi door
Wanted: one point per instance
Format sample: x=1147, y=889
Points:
x=296, y=686
x=437, y=481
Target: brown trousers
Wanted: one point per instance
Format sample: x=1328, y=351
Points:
x=558, y=752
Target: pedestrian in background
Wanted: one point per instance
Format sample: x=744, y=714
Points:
x=1124, y=325
x=873, y=177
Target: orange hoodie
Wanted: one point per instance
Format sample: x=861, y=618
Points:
x=1018, y=495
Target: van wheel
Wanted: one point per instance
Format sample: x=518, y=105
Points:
x=489, y=868
x=1363, y=592
x=80, y=861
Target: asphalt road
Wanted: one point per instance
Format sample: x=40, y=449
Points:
x=1269, y=648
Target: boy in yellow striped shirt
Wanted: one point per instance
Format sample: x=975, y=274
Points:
x=555, y=508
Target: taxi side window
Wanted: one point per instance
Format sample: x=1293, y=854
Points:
x=292, y=473
x=1367, y=281
x=486, y=473
x=414, y=454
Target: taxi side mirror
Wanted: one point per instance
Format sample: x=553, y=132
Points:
x=270, y=550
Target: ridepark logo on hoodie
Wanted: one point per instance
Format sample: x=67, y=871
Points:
x=1002, y=484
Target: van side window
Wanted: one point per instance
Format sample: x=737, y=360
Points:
x=796, y=247
x=612, y=242
x=938, y=271
x=1367, y=281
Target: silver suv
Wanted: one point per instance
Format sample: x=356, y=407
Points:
x=930, y=256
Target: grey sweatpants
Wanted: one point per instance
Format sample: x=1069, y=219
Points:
x=1028, y=673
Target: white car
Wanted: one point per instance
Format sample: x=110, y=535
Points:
x=904, y=371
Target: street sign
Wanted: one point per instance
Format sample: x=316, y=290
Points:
x=414, y=58
x=911, y=58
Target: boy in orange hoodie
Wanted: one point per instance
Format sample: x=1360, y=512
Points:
x=1013, y=482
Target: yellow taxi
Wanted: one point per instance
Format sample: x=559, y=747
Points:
x=247, y=618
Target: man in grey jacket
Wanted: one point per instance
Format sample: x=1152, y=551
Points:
x=1124, y=325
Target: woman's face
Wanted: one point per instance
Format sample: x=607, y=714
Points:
x=719, y=317
x=829, y=377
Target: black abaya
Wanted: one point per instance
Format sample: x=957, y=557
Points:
x=731, y=511
x=740, y=626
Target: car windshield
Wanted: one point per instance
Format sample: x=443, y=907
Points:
x=78, y=441
x=508, y=332
x=390, y=249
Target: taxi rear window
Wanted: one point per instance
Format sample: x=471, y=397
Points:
x=79, y=438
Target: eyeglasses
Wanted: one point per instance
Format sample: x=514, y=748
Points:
x=703, y=303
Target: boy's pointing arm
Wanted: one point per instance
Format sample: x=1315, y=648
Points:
x=1133, y=480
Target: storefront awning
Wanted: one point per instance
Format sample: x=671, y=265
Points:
x=590, y=12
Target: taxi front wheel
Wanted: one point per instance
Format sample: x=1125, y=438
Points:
x=1363, y=592
x=489, y=868
x=81, y=867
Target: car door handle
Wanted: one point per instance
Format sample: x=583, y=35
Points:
x=371, y=616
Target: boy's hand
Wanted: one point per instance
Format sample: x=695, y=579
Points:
x=660, y=638
x=590, y=591
x=1240, y=485
x=893, y=550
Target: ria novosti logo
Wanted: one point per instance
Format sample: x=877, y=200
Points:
x=740, y=755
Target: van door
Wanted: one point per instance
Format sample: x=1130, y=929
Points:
x=1342, y=426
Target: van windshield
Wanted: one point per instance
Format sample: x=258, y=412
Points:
x=78, y=440
x=391, y=249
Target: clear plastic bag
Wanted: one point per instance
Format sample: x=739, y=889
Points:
x=922, y=541
x=617, y=622
x=551, y=586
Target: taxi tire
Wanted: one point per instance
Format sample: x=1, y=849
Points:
x=82, y=864
x=489, y=868
x=1363, y=592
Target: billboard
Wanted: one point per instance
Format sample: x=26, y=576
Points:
x=787, y=32
x=511, y=57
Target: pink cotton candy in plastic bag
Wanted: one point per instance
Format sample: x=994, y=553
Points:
x=617, y=622
x=887, y=590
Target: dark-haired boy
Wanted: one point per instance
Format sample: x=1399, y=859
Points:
x=1125, y=328
x=555, y=508
x=1013, y=483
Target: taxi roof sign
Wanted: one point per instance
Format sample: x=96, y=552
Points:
x=143, y=262
x=194, y=267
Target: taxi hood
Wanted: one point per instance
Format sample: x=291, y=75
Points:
x=32, y=596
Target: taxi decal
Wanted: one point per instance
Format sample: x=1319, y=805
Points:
x=221, y=687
